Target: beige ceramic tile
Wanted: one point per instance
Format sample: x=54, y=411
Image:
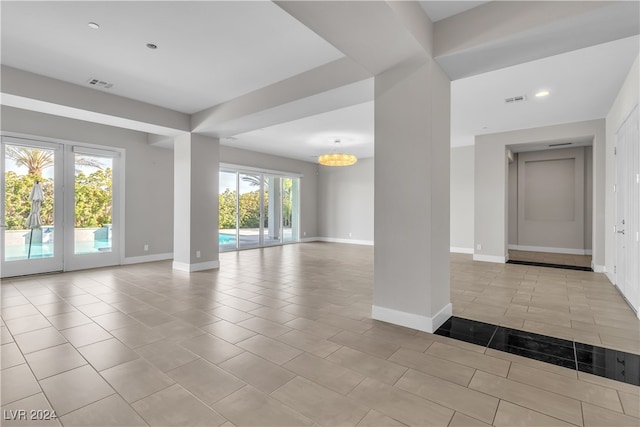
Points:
x=486, y=363
x=107, y=354
x=166, y=355
x=373, y=346
x=250, y=407
x=74, y=389
x=174, y=406
x=260, y=373
x=54, y=360
x=565, y=372
x=630, y=403
x=110, y=411
x=136, y=379
x=264, y=327
x=570, y=387
x=322, y=405
x=595, y=416
x=206, y=381
x=510, y=415
x=461, y=420
x=374, y=367
x=228, y=331
x=211, y=348
x=10, y=355
x=470, y=402
x=85, y=334
x=400, y=405
x=309, y=343
x=269, y=349
x=432, y=365
x=38, y=339
x=19, y=413
x=17, y=383
x=376, y=419
x=548, y=403
x=328, y=374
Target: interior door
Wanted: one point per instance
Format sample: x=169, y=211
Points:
x=627, y=274
x=25, y=250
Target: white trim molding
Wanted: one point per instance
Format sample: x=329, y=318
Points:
x=183, y=266
x=610, y=276
x=148, y=258
x=599, y=268
x=411, y=320
x=461, y=250
x=565, y=251
x=490, y=258
x=347, y=241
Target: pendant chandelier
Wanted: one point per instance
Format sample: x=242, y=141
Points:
x=337, y=159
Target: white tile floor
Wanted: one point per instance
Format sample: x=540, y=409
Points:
x=282, y=336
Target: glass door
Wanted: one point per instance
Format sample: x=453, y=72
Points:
x=272, y=230
x=94, y=207
x=31, y=237
x=249, y=210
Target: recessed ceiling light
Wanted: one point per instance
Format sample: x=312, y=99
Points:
x=152, y=46
x=542, y=93
x=93, y=25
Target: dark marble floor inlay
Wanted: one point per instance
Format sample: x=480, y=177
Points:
x=544, y=264
x=604, y=362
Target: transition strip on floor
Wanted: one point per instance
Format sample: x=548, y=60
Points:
x=604, y=362
x=544, y=264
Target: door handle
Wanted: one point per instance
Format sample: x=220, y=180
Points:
x=621, y=231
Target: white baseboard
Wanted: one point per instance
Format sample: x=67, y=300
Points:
x=611, y=277
x=410, y=320
x=148, y=258
x=565, y=251
x=599, y=268
x=348, y=241
x=183, y=266
x=489, y=258
x=461, y=250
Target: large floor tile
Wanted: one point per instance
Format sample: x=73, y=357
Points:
x=206, y=381
x=328, y=374
x=107, y=354
x=228, y=331
x=322, y=405
x=462, y=399
x=260, y=373
x=595, y=416
x=54, y=360
x=74, y=389
x=17, y=383
x=400, y=405
x=112, y=411
x=10, y=355
x=509, y=415
x=374, y=346
x=174, y=406
x=250, y=407
x=136, y=379
x=85, y=334
x=376, y=419
x=137, y=335
x=485, y=363
x=211, y=348
x=166, y=355
x=546, y=402
x=432, y=365
x=39, y=339
x=309, y=343
x=269, y=349
x=365, y=364
x=32, y=411
x=69, y=320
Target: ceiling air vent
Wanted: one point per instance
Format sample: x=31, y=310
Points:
x=515, y=99
x=99, y=83
x=560, y=144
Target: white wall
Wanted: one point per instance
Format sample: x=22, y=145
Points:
x=491, y=170
x=148, y=174
x=462, y=198
x=345, y=200
x=625, y=101
x=308, y=183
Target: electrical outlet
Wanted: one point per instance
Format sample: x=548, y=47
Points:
x=197, y=254
x=146, y=248
x=304, y=233
x=479, y=247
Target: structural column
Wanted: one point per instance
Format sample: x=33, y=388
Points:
x=195, y=212
x=412, y=134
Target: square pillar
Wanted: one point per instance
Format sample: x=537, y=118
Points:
x=195, y=223
x=412, y=145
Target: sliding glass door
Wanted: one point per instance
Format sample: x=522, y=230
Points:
x=257, y=209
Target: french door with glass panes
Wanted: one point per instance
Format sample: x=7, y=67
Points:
x=78, y=214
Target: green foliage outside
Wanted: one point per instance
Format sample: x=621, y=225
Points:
x=93, y=199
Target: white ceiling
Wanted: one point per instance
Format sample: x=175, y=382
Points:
x=582, y=85
x=208, y=51
x=438, y=10
x=213, y=51
x=307, y=138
